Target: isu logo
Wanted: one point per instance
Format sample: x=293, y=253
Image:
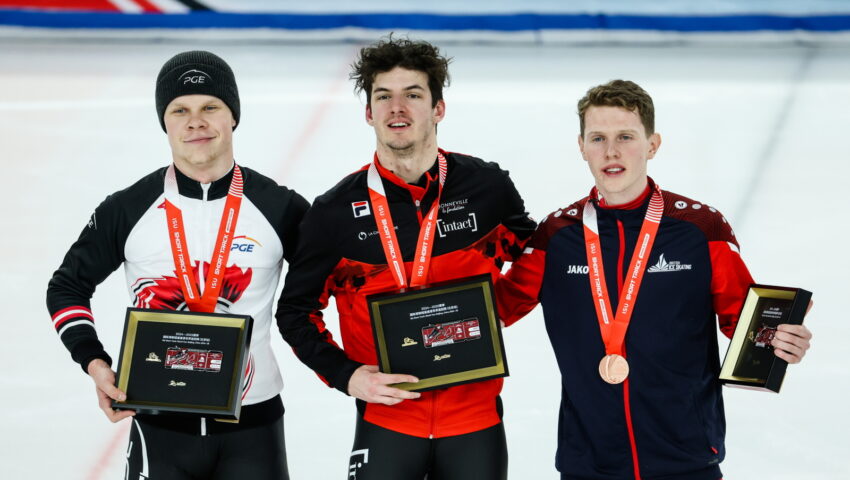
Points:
x=361, y=209
x=664, y=266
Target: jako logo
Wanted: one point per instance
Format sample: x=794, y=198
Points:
x=445, y=227
x=577, y=270
x=244, y=246
x=361, y=209
x=195, y=76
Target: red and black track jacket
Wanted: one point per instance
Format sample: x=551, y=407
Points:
x=666, y=420
x=482, y=223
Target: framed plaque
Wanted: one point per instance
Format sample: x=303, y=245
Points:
x=750, y=361
x=445, y=334
x=183, y=362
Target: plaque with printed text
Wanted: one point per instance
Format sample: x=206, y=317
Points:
x=445, y=334
x=183, y=362
x=750, y=361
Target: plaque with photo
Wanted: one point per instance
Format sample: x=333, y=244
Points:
x=750, y=361
x=183, y=362
x=444, y=334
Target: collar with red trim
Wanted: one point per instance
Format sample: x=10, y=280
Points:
x=636, y=203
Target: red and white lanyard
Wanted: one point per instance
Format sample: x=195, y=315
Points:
x=196, y=301
x=614, y=331
x=386, y=229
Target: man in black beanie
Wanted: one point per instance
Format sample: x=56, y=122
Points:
x=244, y=221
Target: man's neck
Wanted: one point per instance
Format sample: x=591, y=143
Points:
x=408, y=167
x=206, y=173
x=625, y=197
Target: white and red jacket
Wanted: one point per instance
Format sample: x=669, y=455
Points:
x=130, y=228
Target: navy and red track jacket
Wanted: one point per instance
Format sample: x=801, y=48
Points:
x=481, y=224
x=666, y=420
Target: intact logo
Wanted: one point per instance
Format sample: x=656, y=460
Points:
x=470, y=224
x=664, y=266
x=194, y=77
x=577, y=270
x=361, y=209
x=246, y=245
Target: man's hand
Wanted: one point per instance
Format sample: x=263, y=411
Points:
x=370, y=385
x=791, y=341
x=104, y=382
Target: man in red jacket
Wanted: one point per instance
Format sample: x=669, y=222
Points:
x=480, y=222
x=633, y=280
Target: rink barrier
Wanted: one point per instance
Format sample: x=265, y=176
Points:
x=505, y=23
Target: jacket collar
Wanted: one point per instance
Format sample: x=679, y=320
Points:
x=192, y=188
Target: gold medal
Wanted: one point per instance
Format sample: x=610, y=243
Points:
x=613, y=369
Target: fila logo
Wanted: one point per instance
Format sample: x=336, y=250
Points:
x=445, y=227
x=196, y=77
x=361, y=209
x=664, y=266
x=577, y=270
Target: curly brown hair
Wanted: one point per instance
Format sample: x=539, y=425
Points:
x=619, y=93
x=388, y=53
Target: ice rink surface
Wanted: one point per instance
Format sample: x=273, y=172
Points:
x=759, y=132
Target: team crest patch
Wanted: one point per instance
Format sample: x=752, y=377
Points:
x=179, y=358
x=361, y=209
x=440, y=334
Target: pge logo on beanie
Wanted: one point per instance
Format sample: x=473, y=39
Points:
x=194, y=77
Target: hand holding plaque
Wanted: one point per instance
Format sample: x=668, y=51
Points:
x=445, y=334
x=750, y=360
x=183, y=362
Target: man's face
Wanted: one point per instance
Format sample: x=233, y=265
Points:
x=200, y=130
x=616, y=148
x=400, y=110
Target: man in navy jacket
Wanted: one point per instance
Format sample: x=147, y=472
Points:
x=631, y=279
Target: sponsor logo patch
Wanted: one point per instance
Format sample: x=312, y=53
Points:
x=664, y=266
x=577, y=270
x=246, y=245
x=471, y=224
x=194, y=77
x=361, y=209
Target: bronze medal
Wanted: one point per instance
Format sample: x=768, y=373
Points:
x=613, y=369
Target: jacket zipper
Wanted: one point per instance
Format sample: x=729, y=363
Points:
x=626, y=402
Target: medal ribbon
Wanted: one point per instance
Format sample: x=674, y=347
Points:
x=196, y=301
x=386, y=229
x=614, y=331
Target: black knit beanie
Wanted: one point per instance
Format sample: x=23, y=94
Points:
x=196, y=72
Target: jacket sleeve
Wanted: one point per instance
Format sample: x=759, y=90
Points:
x=730, y=281
x=94, y=256
x=518, y=291
x=517, y=221
x=305, y=294
x=730, y=278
